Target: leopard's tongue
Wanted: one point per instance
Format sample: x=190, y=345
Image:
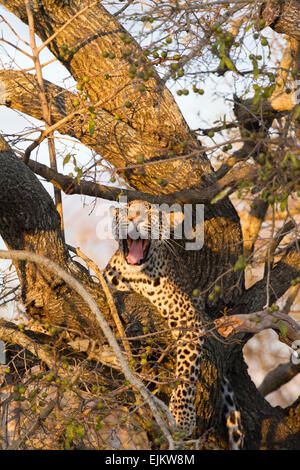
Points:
x=135, y=253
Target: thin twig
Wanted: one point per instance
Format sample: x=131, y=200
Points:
x=42, y=65
x=13, y=31
x=268, y=261
x=198, y=195
x=278, y=237
x=16, y=47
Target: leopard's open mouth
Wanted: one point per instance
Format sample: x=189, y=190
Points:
x=136, y=251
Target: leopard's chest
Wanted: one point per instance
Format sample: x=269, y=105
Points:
x=153, y=281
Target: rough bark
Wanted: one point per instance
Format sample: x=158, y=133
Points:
x=283, y=17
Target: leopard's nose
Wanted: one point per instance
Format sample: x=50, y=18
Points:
x=133, y=229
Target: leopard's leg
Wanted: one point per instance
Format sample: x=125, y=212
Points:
x=182, y=403
x=115, y=279
x=232, y=416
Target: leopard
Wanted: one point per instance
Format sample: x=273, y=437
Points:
x=147, y=264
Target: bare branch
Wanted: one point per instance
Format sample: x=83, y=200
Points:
x=278, y=377
x=277, y=239
x=38, y=422
x=242, y=171
x=287, y=327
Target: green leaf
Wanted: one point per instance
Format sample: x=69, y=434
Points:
x=67, y=159
x=240, y=264
x=283, y=329
x=283, y=205
x=91, y=126
x=228, y=63
x=221, y=195
x=255, y=69
x=256, y=98
x=222, y=47
x=268, y=91
x=70, y=432
x=248, y=27
x=296, y=113
x=80, y=432
x=222, y=63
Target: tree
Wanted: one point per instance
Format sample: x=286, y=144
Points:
x=124, y=112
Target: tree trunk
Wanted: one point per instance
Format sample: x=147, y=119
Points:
x=29, y=221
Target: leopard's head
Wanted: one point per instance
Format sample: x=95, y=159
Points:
x=141, y=228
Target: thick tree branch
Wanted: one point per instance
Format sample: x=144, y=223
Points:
x=253, y=323
x=278, y=377
x=10, y=333
x=21, y=93
x=29, y=221
x=68, y=120
x=231, y=180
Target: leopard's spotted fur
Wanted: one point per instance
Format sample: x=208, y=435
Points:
x=156, y=278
